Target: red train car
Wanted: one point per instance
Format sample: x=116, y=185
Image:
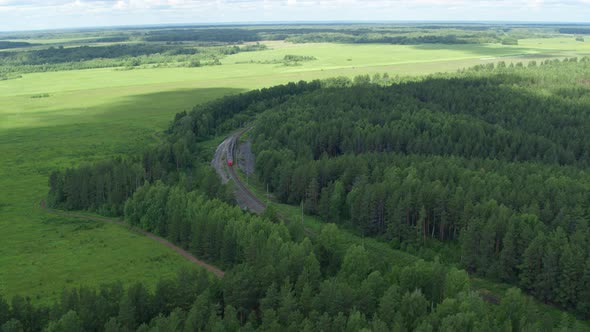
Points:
x=230, y=153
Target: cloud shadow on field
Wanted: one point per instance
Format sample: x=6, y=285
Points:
x=160, y=104
x=150, y=109
x=66, y=137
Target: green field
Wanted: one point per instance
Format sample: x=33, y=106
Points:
x=346, y=56
x=41, y=253
x=86, y=115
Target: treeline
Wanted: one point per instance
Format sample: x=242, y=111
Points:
x=12, y=44
x=126, y=63
x=402, y=35
x=228, y=35
x=376, y=38
x=575, y=31
x=105, y=186
x=54, y=55
x=480, y=158
x=109, y=39
x=275, y=279
x=100, y=187
x=246, y=48
x=112, y=307
x=232, y=112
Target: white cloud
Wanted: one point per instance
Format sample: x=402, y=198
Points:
x=35, y=14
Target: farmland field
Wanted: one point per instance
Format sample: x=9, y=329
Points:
x=87, y=115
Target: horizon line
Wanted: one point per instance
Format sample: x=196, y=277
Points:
x=297, y=22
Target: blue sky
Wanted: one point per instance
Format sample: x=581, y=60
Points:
x=51, y=14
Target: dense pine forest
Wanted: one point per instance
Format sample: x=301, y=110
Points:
x=491, y=160
x=495, y=159
x=274, y=281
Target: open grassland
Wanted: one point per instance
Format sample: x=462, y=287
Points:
x=41, y=253
x=409, y=59
x=61, y=119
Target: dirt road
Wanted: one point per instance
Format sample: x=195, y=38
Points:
x=219, y=273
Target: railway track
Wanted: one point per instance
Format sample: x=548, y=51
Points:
x=245, y=197
x=248, y=198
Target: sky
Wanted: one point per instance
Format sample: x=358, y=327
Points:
x=57, y=14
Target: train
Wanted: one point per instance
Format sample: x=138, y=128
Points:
x=230, y=155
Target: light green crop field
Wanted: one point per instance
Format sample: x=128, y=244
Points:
x=87, y=115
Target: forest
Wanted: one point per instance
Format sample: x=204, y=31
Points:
x=380, y=38
x=229, y=35
x=494, y=160
x=576, y=30
x=274, y=280
x=491, y=160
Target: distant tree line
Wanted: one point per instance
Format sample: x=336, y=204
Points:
x=376, y=38
x=119, y=55
x=108, y=39
x=402, y=35
x=229, y=35
x=53, y=55
x=13, y=44
x=575, y=31
x=245, y=48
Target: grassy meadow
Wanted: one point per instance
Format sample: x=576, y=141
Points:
x=41, y=253
x=61, y=119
